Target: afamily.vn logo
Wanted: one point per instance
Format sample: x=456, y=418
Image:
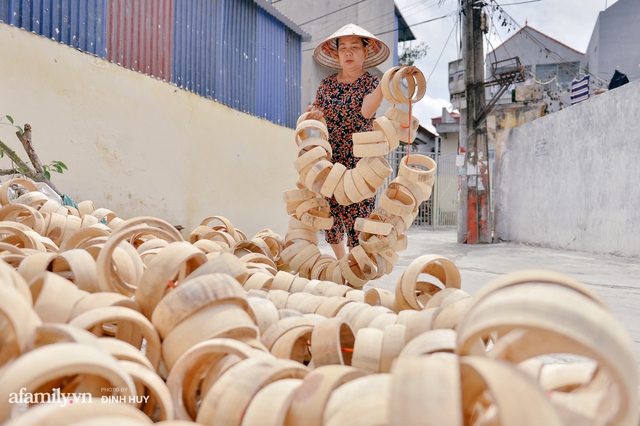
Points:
x=27, y=398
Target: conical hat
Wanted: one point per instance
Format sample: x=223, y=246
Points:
x=326, y=53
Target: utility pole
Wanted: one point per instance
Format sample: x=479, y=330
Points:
x=474, y=203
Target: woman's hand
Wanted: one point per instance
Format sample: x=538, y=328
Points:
x=411, y=70
x=314, y=113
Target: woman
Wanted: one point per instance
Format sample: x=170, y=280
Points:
x=348, y=102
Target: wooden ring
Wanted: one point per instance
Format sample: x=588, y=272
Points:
x=328, y=339
x=416, y=376
x=54, y=297
x=4, y=189
x=393, y=341
x=221, y=320
x=172, y=264
x=390, y=133
x=385, y=85
x=271, y=404
x=194, y=295
x=183, y=379
x=132, y=327
x=302, y=130
x=310, y=399
x=437, y=266
x=235, y=389
x=25, y=215
x=333, y=179
x=419, y=176
x=52, y=362
x=416, y=80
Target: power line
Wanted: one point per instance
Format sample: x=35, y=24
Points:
x=419, y=23
x=331, y=13
x=499, y=37
x=384, y=23
x=391, y=20
x=562, y=61
x=522, y=2
x=409, y=8
x=441, y=52
x=400, y=29
x=409, y=26
x=345, y=17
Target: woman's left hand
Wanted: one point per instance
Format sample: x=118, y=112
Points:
x=314, y=114
x=411, y=70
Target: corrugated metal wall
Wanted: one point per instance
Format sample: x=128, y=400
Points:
x=197, y=44
x=237, y=67
x=293, y=78
x=80, y=24
x=139, y=35
x=270, y=61
x=229, y=50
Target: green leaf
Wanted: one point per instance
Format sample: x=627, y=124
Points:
x=20, y=170
x=1, y=153
x=58, y=168
x=9, y=118
x=19, y=128
x=61, y=164
x=47, y=175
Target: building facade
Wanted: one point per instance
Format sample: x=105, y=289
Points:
x=614, y=43
x=448, y=128
x=547, y=62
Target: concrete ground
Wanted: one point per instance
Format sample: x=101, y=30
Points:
x=615, y=279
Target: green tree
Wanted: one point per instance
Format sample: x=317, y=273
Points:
x=410, y=54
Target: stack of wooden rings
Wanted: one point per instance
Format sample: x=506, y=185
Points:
x=368, y=329
x=131, y=325
x=381, y=235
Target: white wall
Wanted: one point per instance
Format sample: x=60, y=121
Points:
x=140, y=146
x=570, y=179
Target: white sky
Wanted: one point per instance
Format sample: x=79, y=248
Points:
x=568, y=21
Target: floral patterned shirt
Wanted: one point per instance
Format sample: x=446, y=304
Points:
x=341, y=104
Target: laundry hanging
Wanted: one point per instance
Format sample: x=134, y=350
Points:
x=580, y=89
x=618, y=79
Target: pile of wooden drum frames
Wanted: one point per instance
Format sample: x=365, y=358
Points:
x=132, y=324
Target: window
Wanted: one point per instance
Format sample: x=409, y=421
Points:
x=563, y=72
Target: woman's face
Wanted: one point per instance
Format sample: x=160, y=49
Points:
x=351, y=52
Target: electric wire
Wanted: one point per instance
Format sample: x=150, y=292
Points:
x=332, y=12
x=562, y=61
x=522, y=2
x=442, y=51
x=378, y=30
x=398, y=29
